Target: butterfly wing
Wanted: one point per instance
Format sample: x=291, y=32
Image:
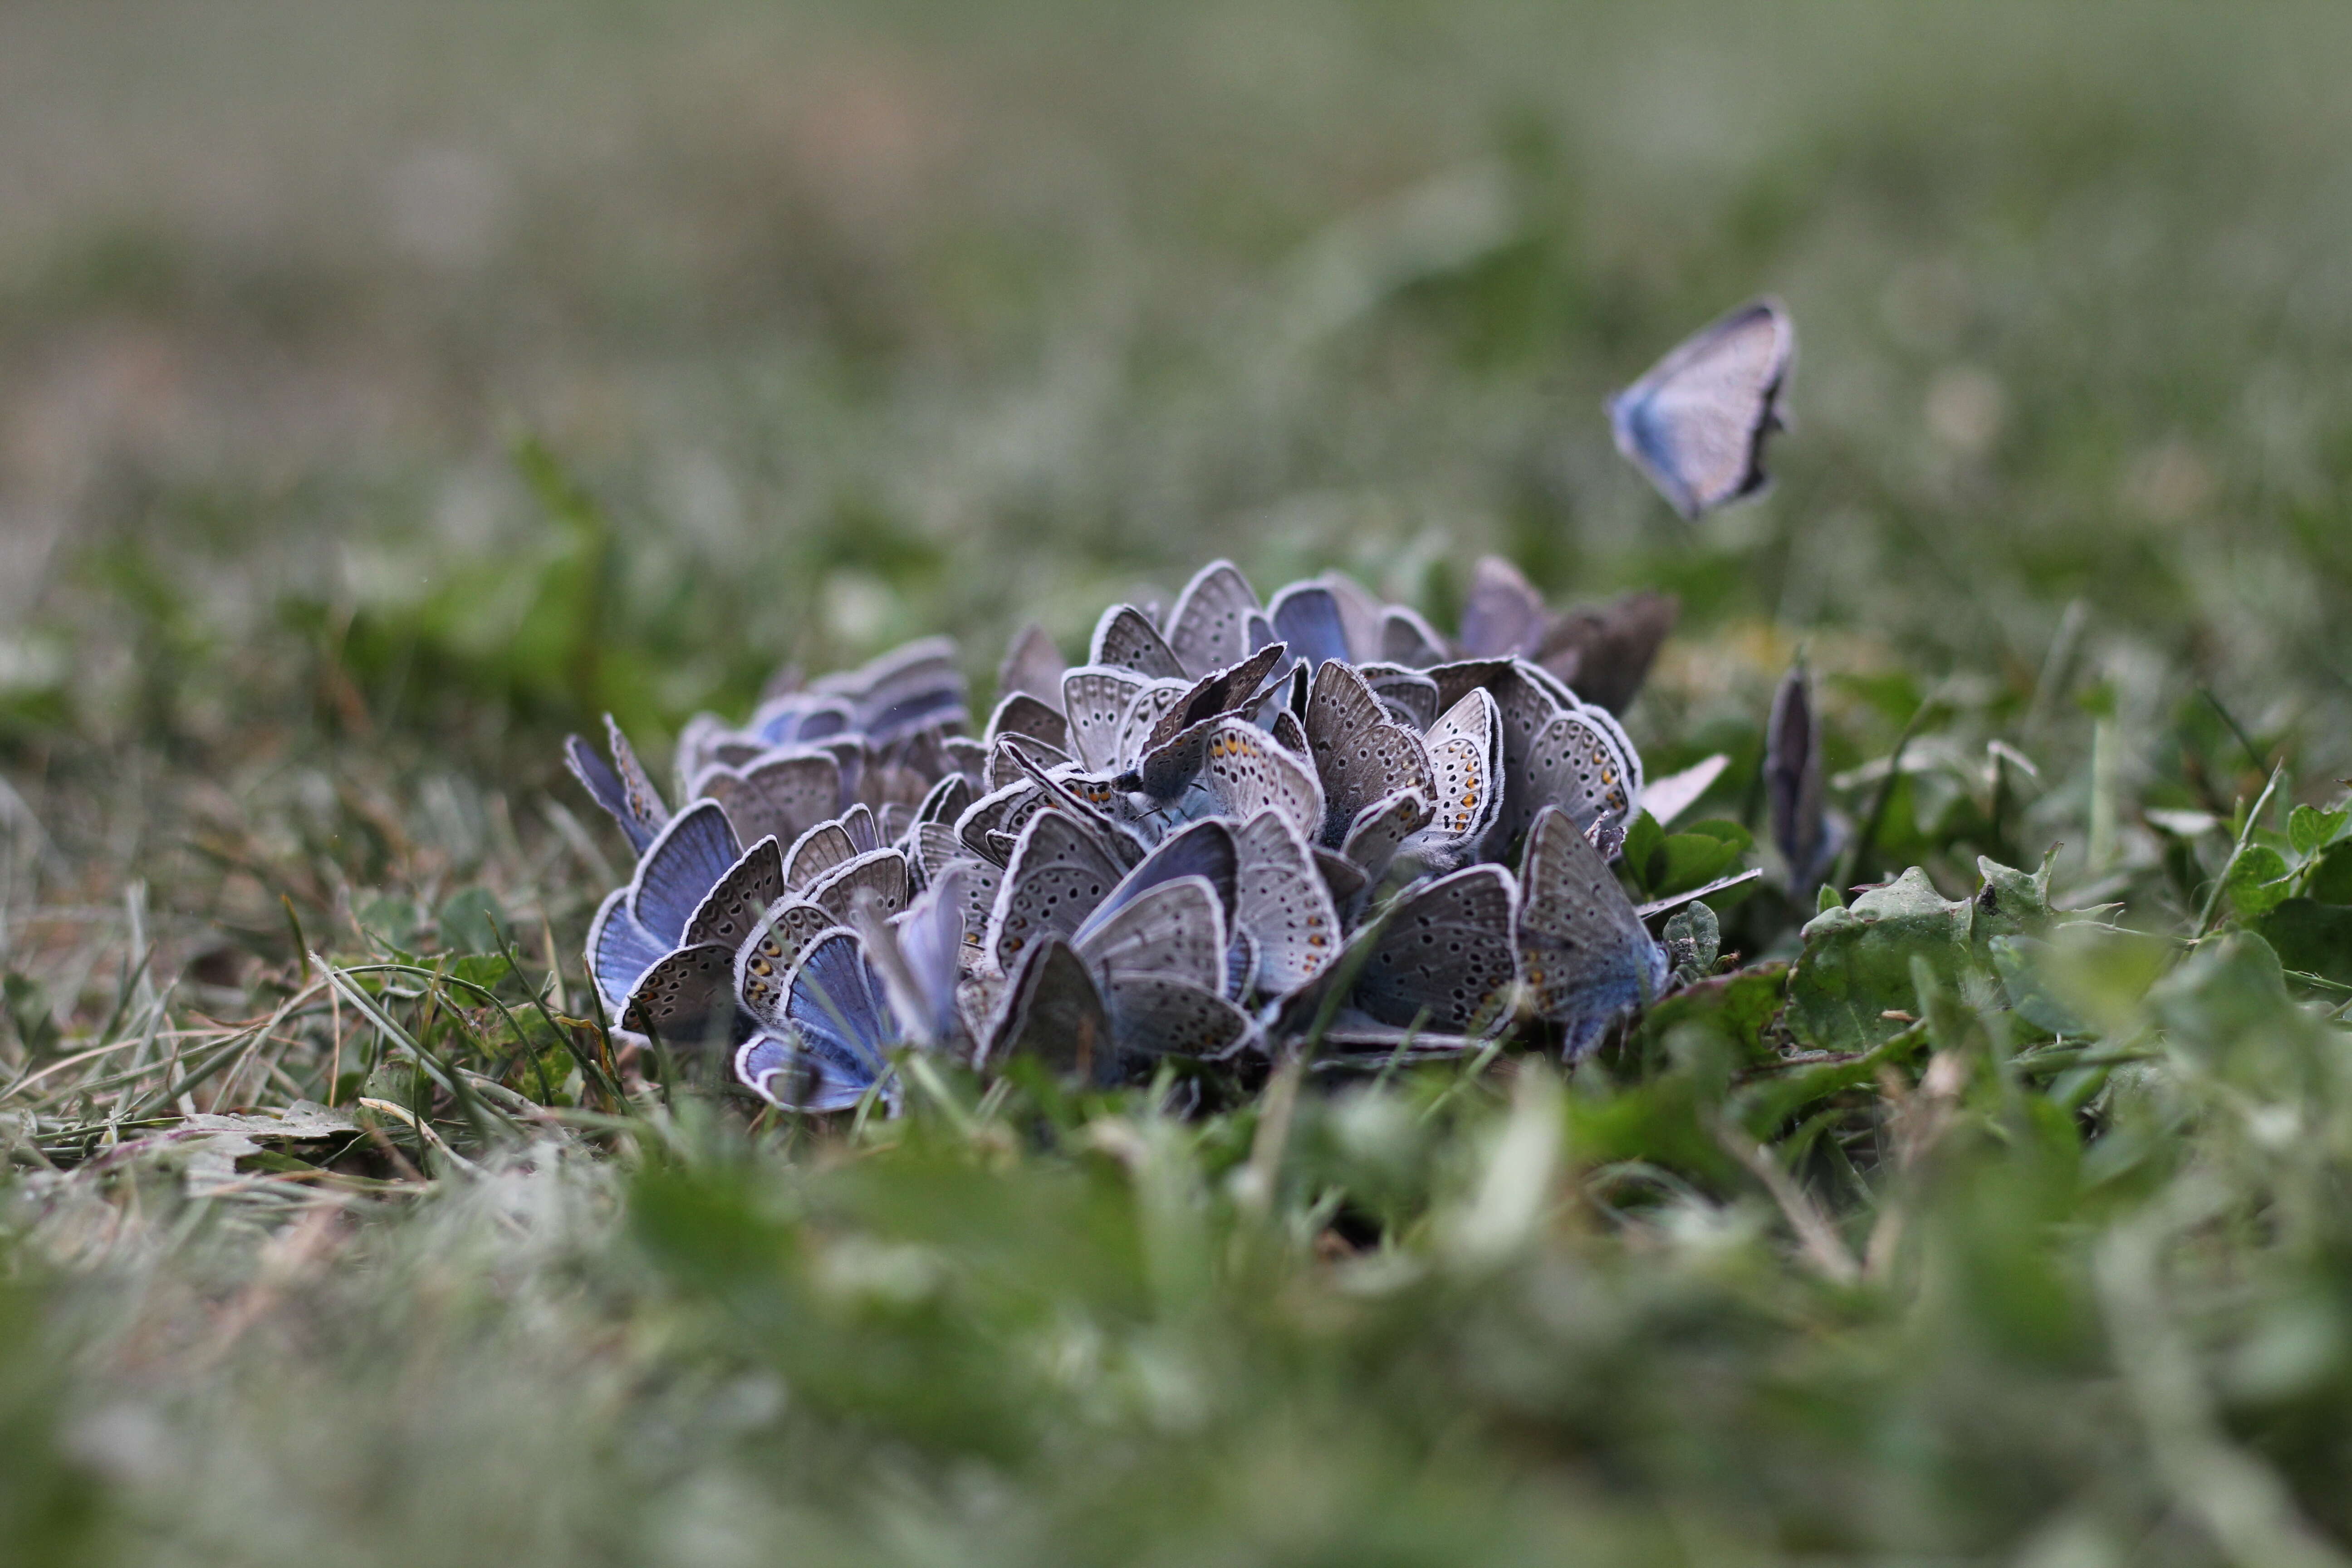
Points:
x=1125, y=638
x=1032, y=665
x=1792, y=785
x=1203, y=849
x=1361, y=754
x=1209, y=628
x=1021, y=714
x=1307, y=617
x=619, y=950
x=730, y=912
x=1058, y=874
x=764, y=963
x=686, y=999
x=1052, y=1011
x=1605, y=653
x=836, y=998
x=1095, y=698
x=1465, y=766
x=1381, y=829
x=1410, y=696
x=1696, y=424
x=1234, y=689
x=1143, y=717
x=1283, y=904
x=918, y=956
x=878, y=874
x=786, y=1070
x=913, y=685
x=816, y=852
x=946, y=800
x=780, y=793
x=1503, y=615
x=1586, y=957
x=1175, y=929
x=1579, y=763
x=621, y=786
x=685, y=861
x=1444, y=957
x=1409, y=640
x=1153, y=1017
x=1242, y=772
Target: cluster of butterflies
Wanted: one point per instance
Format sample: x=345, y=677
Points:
x=1236, y=826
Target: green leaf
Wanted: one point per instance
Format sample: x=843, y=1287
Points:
x=2309, y=828
x=1686, y=860
x=2019, y=961
x=2230, y=993
x=2328, y=878
x=1645, y=852
x=1731, y=833
x=472, y=920
x=2256, y=881
x=2013, y=902
x=1739, y=1006
x=1694, y=940
x=2311, y=936
x=482, y=969
x=2102, y=975
x=391, y=917
x=1856, y=965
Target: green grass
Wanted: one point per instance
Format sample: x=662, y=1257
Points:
x=384, y=390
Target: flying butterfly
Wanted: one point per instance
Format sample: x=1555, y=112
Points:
x=1696, y=424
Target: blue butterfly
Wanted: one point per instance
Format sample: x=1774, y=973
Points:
x=854, y=995
x=1696, y=424
x=1583, y=949
x=621, y=786
x=637, y=925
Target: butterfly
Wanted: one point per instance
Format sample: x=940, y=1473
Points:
x=1696, y=423
x=1442, y=956
x=1465, y=770
x=854, y=990
x=1605, y=651
x=1587, y=958
x=1211, y=626
x=1031, y=718
x=1125, y=638
x=1602, y=652
x=913, y=687
x=1033, y=667
x=621, y=786
x=1363, y=756
x=1802, y=829
x=1229, y=767
x=685, y=993
x=637, y=925
x=828, y=1044
x=1105, y=1030
x=1281, y=905
x=783, y=792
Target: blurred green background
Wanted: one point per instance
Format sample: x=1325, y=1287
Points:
x=387, y=387
x=860, y=321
